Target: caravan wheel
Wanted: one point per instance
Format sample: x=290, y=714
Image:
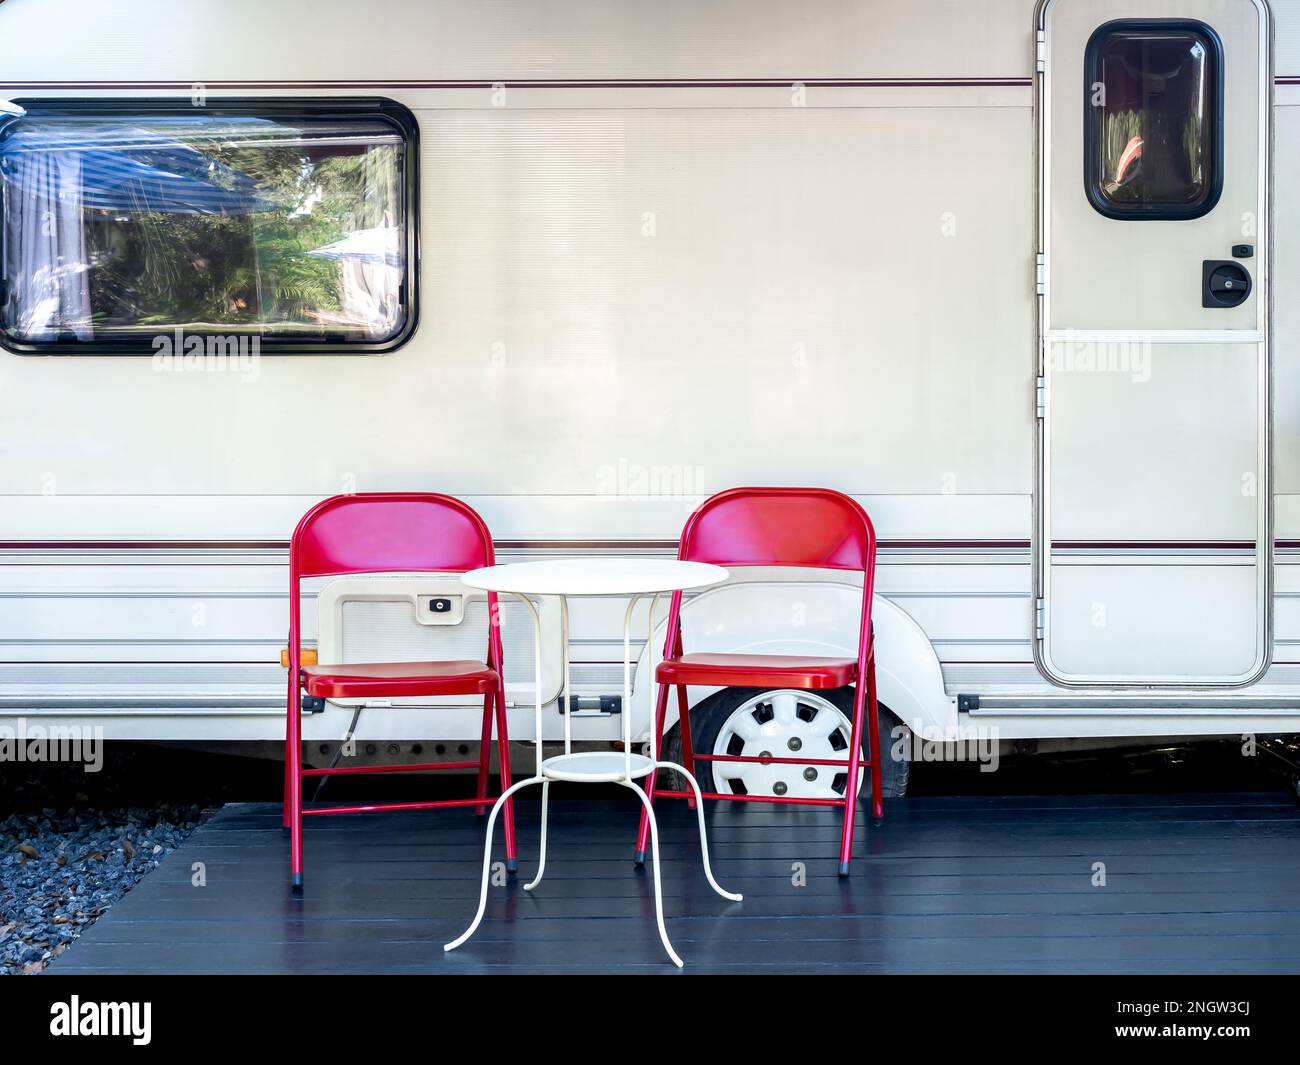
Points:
x=782, y=723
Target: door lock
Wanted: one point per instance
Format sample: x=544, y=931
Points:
x=1224, y=283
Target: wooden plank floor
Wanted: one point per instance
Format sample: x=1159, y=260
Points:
x=1193, y=884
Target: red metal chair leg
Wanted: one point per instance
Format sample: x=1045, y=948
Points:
x=643, y=830
x=294, y=797
x=503, y=757
x=684, y=725
x=286, y=819
x=873, y=743
x=485, y=748
x=851, y=785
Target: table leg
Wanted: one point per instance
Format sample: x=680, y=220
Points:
x=487, y=861
x=541, y=861
x=658, y=708
x=704, y=842
x=654, y=856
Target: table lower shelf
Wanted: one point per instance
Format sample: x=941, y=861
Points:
x=595, y=767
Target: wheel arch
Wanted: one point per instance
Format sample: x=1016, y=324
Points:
x=755, y=617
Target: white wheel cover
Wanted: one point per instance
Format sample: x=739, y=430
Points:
x=784, y=724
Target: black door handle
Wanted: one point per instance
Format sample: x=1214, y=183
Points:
x=1224, y=283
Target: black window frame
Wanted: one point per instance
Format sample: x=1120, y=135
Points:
x=1091, y=145
x=285, y=107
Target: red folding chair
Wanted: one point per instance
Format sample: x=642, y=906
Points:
x=813, y=528
x=391, y=532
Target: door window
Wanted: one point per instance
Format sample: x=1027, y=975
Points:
x=1153, y=119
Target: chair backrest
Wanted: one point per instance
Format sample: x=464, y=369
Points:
x=386, y=532
x=808, y=527
x=395, y=532
x=814, y=528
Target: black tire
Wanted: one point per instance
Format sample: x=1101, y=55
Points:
x=708, y=717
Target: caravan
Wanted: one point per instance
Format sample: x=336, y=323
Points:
x=1021, y=279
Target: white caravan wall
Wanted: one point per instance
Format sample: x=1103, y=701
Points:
x=500, y=40
x=838, y=292
x=774, y=226
x=714, y=281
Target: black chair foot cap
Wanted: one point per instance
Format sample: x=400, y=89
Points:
x=640, y=858
x=512, y=865
x=844, y=868
x=297, y=883
x=876, y=822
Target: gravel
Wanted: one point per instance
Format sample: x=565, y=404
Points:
x=74, y=842
x=60, y=870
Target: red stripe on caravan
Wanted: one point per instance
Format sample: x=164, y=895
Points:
x=539, y=83
x=141, y=545
x=645, y=545
x=1160, y=545
x=504, y=545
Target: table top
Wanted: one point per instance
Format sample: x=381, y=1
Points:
x=595, y=576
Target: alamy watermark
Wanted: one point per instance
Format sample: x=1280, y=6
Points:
x=1121, y=354
x=56, y=743
x=628, y=481
x=181, y=352
x=946, y=745
x=133, y=1020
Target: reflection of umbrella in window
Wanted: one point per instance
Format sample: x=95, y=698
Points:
x=383, y=244
x=129, y=170
x=1126, y=168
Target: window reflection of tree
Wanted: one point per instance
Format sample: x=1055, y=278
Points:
x=153, y=263
x=1153, y=120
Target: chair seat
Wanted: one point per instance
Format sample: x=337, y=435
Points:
x=758, y=671
x=397, y=679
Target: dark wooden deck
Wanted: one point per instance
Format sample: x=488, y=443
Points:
x=1194, y=884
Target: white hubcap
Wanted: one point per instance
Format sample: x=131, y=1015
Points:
x=784, y=724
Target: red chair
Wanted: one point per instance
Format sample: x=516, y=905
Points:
x=391, y=532
x=804, y=527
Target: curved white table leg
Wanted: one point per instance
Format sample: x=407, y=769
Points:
x=541, y=861
x=704, y=843
x=487, y=861
x=654, y=854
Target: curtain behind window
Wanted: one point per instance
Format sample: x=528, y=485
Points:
x=45, y=246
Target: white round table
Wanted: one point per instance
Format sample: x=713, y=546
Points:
x=631, y=578
x=596, y=576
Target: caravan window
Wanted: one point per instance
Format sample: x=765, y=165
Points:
x=1153, y=119
x=289, y=223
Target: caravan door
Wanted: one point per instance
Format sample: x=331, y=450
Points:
x=1153, y=533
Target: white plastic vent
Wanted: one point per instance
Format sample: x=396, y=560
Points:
x=386, y=619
